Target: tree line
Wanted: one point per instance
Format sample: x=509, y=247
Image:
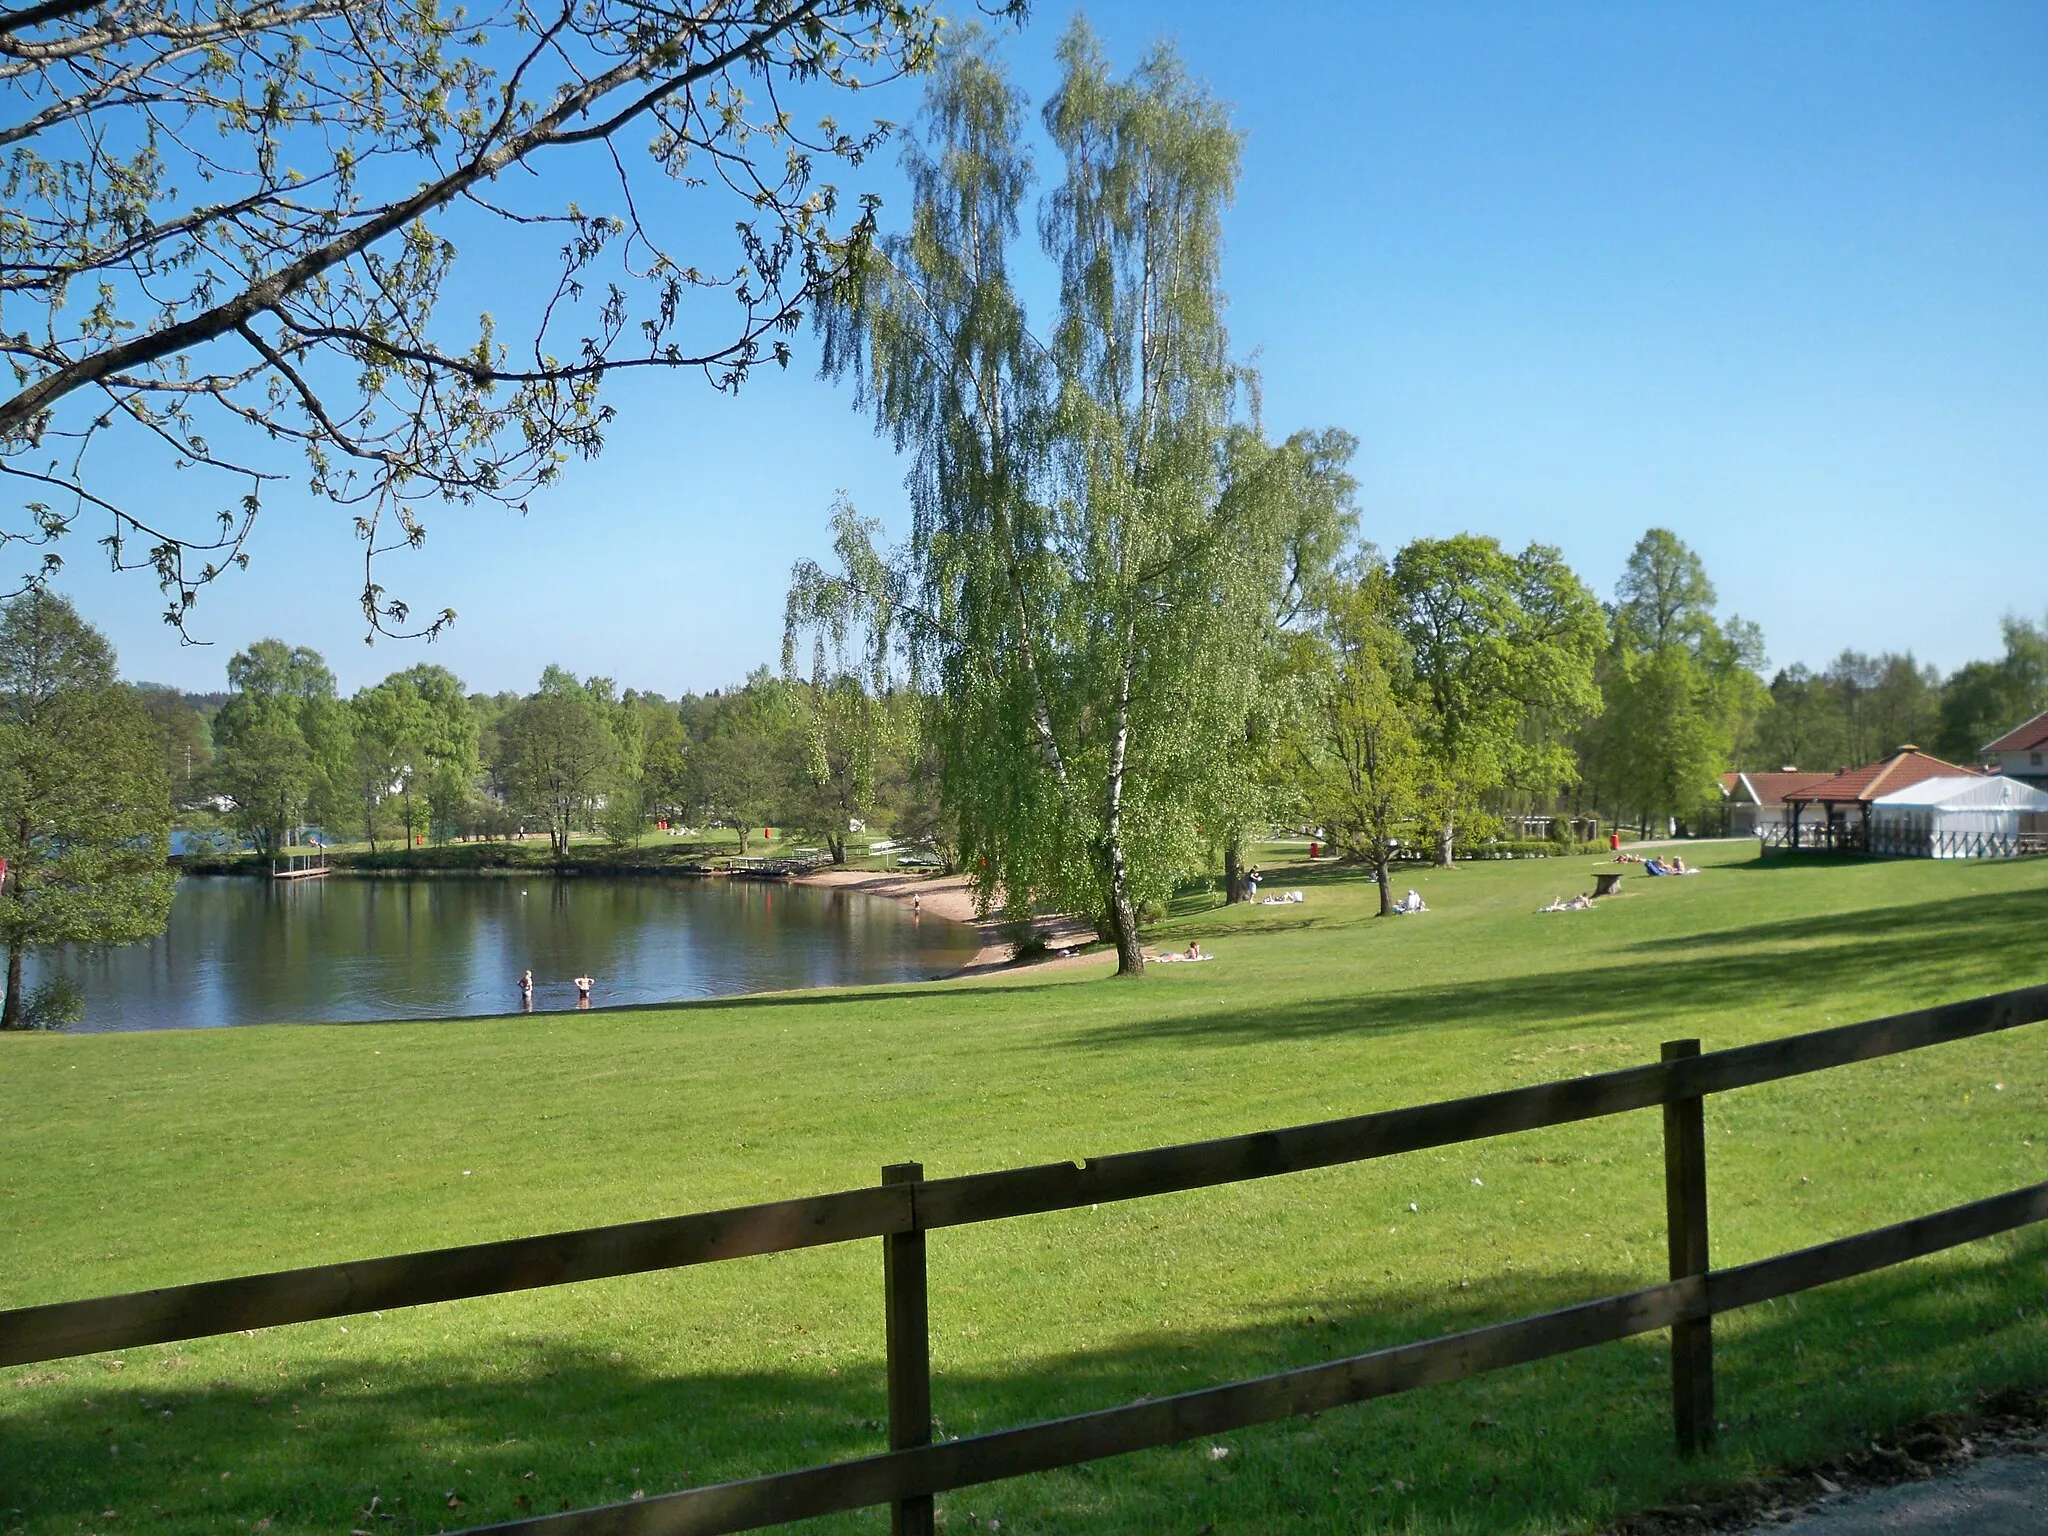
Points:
x=419, y=758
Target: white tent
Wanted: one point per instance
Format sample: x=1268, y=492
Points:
x=1959, y=817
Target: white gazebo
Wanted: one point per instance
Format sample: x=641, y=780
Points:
x=1960, y=818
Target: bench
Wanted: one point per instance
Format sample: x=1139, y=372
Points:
x=1607, y=882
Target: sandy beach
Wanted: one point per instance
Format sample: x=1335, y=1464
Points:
x=951, y=898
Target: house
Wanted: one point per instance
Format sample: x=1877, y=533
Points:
x=1973, y=816
x=1754, y=803
x=1835, y=813
x=2022, y=753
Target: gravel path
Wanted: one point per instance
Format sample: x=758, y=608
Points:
x=2005, y=1495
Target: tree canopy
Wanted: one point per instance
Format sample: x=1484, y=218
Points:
x=233, y=229
x=1087, y=582
x=85, y=808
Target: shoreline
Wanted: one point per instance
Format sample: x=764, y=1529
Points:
x=951, y=898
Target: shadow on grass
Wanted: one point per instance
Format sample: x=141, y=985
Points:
x=1945, y=950
x=442, y=1441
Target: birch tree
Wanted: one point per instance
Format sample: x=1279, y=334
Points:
x=1080, y=598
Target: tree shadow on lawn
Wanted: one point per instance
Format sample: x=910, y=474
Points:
x=1936, y=950
x=444, y=1441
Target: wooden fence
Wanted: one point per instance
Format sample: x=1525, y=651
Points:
x=906, y=1205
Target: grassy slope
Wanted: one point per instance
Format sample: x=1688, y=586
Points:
x=135, y=1160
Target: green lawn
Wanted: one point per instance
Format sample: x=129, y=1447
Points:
x=151, y=1159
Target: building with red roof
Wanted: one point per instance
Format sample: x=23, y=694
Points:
x=1842, y=800
x=2022, y=753
x=1755, y=802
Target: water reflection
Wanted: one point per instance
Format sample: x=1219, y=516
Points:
x=245, y=951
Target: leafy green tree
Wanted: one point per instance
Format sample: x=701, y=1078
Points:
x=264, y=771
x=557, y=759
x=841, y=737
x=1985, y=699
x=1803, y=727
x=751, y=750
x=283, y=740
x=1081, y=602
x=1308, y=485
x=665, y=763
x=1360, y=753
x=1494, y=638
x=85, y=810
x=1681, y=691
x=844, y=725
x=184, y=740
x=392, y=727
x=448, y=740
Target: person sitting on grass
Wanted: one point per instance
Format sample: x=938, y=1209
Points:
x=1412, y=902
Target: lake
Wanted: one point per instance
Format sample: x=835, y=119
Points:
x=343, y=949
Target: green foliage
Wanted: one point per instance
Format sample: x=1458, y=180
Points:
x=746, y=766
x=286, y=748
x=1681, y=689
x=1083, y=600
x=1496, y=640
x=1306, y=482
x=1361, y=748
x=184, y=739
x=1860, y=709
x=1985, y=699
x=84, y=801
x=557, y=757
x=53, y=1003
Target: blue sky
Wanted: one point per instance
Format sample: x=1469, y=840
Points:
x=1774, y=277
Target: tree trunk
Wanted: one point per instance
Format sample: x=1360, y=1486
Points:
x=1121, y=915
x=10, y=1013
x=838, y=847
x=1445, y=840
x=1383, y=871
x=1233, y=869
x=1123, y=919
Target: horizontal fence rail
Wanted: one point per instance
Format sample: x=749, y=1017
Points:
x=783, y=1496
x=171, y=1313
x=906, y=1205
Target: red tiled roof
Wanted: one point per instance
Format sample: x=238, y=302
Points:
x=2031, y=737
x=1903, y=769
x=1772, y=788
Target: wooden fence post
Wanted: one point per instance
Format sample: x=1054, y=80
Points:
x=910, y=1352
x=1685, y=1216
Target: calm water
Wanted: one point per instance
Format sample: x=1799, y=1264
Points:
x=244, y=951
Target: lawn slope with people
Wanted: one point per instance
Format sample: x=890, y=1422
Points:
x=153, y=1159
